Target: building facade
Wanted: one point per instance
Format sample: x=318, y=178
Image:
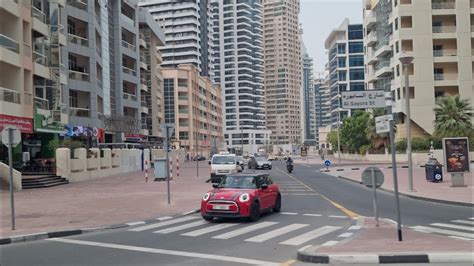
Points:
x=322, y=108
x=238, y=30
x=308, y=101
x=438, y=35
x=188, y=30
x=283, y=70
x=345, y=66
x=194, y=104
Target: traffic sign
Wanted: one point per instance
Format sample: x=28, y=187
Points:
x=382, y=123
x=363, y=99
x=367, y=176
x=16, y=136
x=167, y=127
x=327, y=163
x=304, y=151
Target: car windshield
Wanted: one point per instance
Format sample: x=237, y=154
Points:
x=260, y=159
x=239, y=158
x=244, y=182
x=223, y=160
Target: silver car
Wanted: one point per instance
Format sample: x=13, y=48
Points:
x=260, y=163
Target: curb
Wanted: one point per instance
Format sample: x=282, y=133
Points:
x=64, y=233
x=385, y=258
x=462, y=204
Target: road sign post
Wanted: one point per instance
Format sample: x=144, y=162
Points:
x=168, y=128
x=11, y=136
x=327, y=163
x=373, y=176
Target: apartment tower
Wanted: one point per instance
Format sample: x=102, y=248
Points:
x=309, y=119
x=322, y=108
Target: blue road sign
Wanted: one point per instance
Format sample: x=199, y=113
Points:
x=327, y=163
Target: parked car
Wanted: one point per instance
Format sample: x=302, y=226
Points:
x=199, y=158
x=259, y=163
x=241, y=196
x=242, y=163
x=223, y=164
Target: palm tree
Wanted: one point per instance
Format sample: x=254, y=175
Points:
x=378, y=140
x=453, y=117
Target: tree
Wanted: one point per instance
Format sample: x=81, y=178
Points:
x=453, y=117
x=331, y=138
x=378, y=140
x=353, y=131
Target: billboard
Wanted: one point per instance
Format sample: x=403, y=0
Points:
x=456, y=154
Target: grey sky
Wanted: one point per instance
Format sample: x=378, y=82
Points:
x=319, y=18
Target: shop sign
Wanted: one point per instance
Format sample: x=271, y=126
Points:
x=47, y=124
x=25, y=125
x=456, y=152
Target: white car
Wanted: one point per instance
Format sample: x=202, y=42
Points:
x=222, y=165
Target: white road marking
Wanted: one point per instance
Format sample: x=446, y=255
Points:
x=355, y=227
x=304, y=248
x=289, y=213
x=425, y=229
x=189, y=212
x=312, y=214
x=135, y=223
x=329, y=243
x=472, y=218
x=207, y=230
x=161, y=224
x=337, y=216
x=276, y=232
x=345, y=235
x=164, y=218
x=467, y=228
x=181, y=227
x=462, y=238
x=463, y=222
x=303, y=238
x=244, y=230
x=166, y=252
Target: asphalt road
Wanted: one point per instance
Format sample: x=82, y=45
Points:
x=316, y=210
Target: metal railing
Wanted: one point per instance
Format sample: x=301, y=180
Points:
x=81, y=4
x=443, y=5
x=77, y=40
x=446, y=76
x=444, y=29
x=40, y=58
x=129, y=71
x=129, y=96
x=79, y=112
x=9, y=95
x=76, y=75
x=9, y=43
x=444, y=52
x=128, y=45
x=36, y=13
x=41, y=103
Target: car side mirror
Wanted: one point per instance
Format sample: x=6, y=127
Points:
x=215, y=185
x=209, y=162
x=264, y=186
x=238, y=162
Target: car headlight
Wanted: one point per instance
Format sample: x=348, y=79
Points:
x=206, y=196
x=244, y=197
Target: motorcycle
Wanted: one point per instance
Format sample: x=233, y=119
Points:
x=289, y=167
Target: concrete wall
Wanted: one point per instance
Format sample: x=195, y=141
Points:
x=5, y=176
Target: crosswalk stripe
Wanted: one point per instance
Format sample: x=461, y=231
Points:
x=181, y=227
x=289, y=213
x=298, y=240
x=161, y=224
x=312, y=214
x=472, y=218
x=244, y=230
x=463, y=222
x=209, y=229
x=329, y=243
x=442, y=231
x=345, y=235
x=275, y=233
x=467, y=228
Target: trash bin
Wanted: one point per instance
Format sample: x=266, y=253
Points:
x=160, y=169
x=433, y=170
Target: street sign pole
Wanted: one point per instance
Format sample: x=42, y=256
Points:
x=374, y=188
x=10, y=161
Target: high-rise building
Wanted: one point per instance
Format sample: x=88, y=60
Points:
x=194, y=104
x=322, y=107
x=345, y=65
x=438, y=35
x=188, y=30
x=308, y=114
x=283, y=70
x=238, y=32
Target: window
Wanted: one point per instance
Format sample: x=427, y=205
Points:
x=356, y=74
x=356, y=47
x=342, y=75
x=356, y=60
x=357, y=86
x=341, y=48
x=341, y=62
x=183, y=135
x=398, y=70
x=168, y=85
x=73, y=102
x=397, y=47
x=396, y=23
x=355, y=32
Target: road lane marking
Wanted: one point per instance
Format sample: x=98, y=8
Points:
x=181, y=227
x=345, y=235
x=303, y=238
x=425, y=229
x=244, y=230
x=330, y=243
x=209, y=229
x=161, y=224
x=355, y=227
x=276, y=232
x=289, y=213
x=462, y=238
x=296, y=180
x=463, y=222
x=472, y=218
x=164, y=218
x=304, y=248
x=135, y=223
x=165, y=252
x=338, y=216
x=312, y=214
x=467, y=228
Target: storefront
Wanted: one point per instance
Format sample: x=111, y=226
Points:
x=25, y=125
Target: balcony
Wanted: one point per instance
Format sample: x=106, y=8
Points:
x=77, y=40
x=445, y=53
x=129, y=96
x=81, y=4
x=443, y=5
x=383, y=50
x=11, y=96
x=128, y=45
x=142, y=41
x=78, y=75
x=444, y=29
x=371, y=39
x=370, y=20
x=8, y=43
x=383, y=70
x=129, y=71
x=79, y=112
x=41, y=103
x=446, y=76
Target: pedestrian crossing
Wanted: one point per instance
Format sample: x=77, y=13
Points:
x=281, y=233
x=461, y=229
x=293, y=187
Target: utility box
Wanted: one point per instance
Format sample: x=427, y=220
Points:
x=160, y=169
x=433, y=170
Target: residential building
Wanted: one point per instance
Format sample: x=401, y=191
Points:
x=438, y=35
x=238, y=36
x=345, y=65
x=283, y=71
x=322, y=108
x=308, y=101
x=188, y=32
x=194, y=104
x=152, y=101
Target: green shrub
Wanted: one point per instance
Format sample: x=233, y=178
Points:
x=364, y=149
x=401, y=145
x=420, y=144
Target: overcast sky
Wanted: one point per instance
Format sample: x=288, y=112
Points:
x=319, y=18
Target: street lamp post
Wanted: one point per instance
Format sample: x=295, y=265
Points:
x=406, y=61
x=338, y=135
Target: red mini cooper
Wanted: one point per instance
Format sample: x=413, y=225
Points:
x=241, y=196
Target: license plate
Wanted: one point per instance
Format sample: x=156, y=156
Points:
x=220, y=207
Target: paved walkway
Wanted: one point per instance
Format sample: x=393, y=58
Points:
x=103, y=202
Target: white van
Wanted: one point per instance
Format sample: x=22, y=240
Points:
x=222, y=165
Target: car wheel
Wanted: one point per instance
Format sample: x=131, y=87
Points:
x=277, y=206
x=254, y=212
x=208, y=218
x=270, y=168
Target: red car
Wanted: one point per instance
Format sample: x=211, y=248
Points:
x=241, y=196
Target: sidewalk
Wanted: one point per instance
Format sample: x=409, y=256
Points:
x=372, y=245
x=103, y=202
